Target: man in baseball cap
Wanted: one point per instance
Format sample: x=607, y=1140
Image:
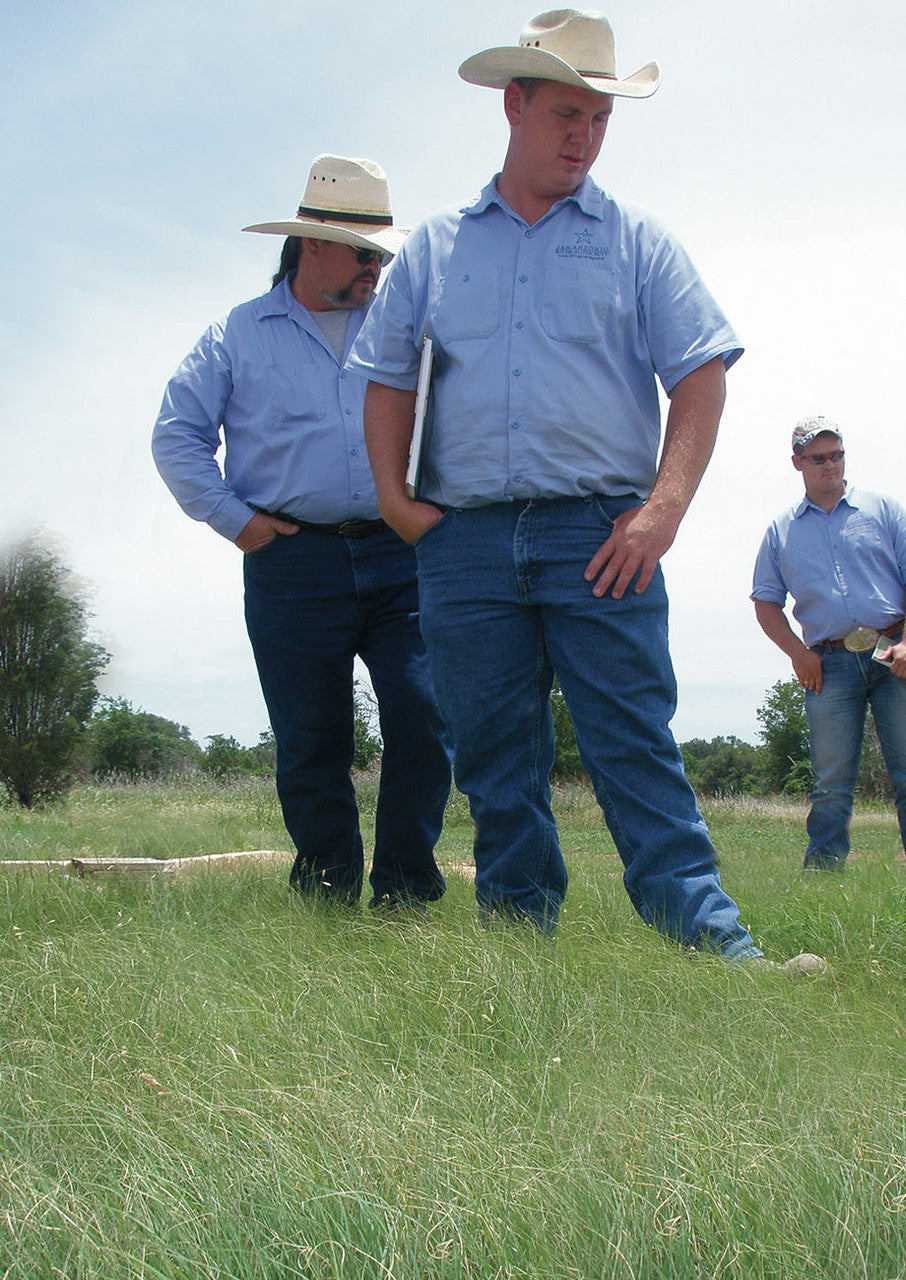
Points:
x=841, y=554
x=325, y=579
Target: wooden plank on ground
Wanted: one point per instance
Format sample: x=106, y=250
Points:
x=140, y=867
x=147, y=868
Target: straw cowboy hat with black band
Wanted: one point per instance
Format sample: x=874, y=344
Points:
x=347, y=201
x=569, y=45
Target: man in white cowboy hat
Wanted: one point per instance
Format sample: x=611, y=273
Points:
x=325, y=578
x=841, y=554
x=543, y=512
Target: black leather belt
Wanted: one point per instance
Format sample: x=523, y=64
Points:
x=345, y=529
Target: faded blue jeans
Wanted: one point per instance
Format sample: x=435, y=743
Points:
x=505, y=606
x=312, y=602
x=850, y=683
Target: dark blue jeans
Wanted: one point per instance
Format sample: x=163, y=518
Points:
x=313, y=601
x=504, y=606
x=851, y=683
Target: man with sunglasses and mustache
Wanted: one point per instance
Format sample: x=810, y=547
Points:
x=841, y=555
x=325, y=579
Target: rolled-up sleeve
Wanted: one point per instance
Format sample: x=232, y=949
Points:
x=767, y=581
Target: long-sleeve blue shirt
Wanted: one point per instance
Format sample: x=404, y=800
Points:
x=844, y=568
x=290, y=417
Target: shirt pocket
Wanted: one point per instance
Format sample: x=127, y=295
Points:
x=468, y=306
x=577, y=297
x=863, y=537
x=297, y=394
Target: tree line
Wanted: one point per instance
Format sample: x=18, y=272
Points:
x=55, y=727
x=727, y=766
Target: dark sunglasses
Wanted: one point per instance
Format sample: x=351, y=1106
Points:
x=819, y=459
x=364, y=256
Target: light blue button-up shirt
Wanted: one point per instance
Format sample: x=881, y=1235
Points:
x=549, y=339
x=844, y=569
x=291, y=420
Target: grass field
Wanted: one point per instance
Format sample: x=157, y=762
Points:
x=202, y=1079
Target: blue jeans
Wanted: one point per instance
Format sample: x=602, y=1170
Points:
x=504, y=607
x=312, y=602
x=850, y=683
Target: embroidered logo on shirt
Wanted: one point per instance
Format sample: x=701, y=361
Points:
x=583, y=248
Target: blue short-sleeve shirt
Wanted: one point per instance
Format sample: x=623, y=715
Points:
x=549, y=342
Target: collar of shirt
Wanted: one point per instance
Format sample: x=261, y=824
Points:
x=848, y=497
x=281, y=301
x=587, y=196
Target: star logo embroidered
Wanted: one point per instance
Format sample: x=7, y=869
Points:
x=583, y=237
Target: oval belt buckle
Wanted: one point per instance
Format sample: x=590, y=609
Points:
x=861, y=639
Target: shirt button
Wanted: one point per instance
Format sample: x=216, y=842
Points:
x=522, y=279
x=529, y=234
x=516, y=425
x=517, y=479
x=357, y=495
x=348, y=413
x=355, y=451
x=520, y=324
x=466, y=277
x=516, y=373
x=342, y=374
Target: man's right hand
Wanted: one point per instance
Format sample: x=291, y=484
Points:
x=776, y=626
x=411, y=519
x=807, y=665
x=261, y=530
x=388, y=432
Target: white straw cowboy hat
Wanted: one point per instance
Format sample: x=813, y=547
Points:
x=347, y=201
x=568, y=45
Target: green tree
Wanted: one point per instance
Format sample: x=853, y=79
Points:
x=567, y=761
x=874, y=782
x=137, y=744
x=226, y=757
x=263, y=755
x=48, y=669
x=784, y=733
x=723, y=766
x=368, y=743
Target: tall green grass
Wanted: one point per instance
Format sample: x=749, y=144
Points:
x=200, y=1078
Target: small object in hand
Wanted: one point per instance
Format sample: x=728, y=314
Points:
x=882, y=650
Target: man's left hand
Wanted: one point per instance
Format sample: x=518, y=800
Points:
x=640, y=537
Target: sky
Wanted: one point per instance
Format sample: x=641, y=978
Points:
x=140, y=137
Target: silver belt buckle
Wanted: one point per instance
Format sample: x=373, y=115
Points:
x=861, y=639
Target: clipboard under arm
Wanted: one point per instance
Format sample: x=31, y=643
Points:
x=413, y=471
